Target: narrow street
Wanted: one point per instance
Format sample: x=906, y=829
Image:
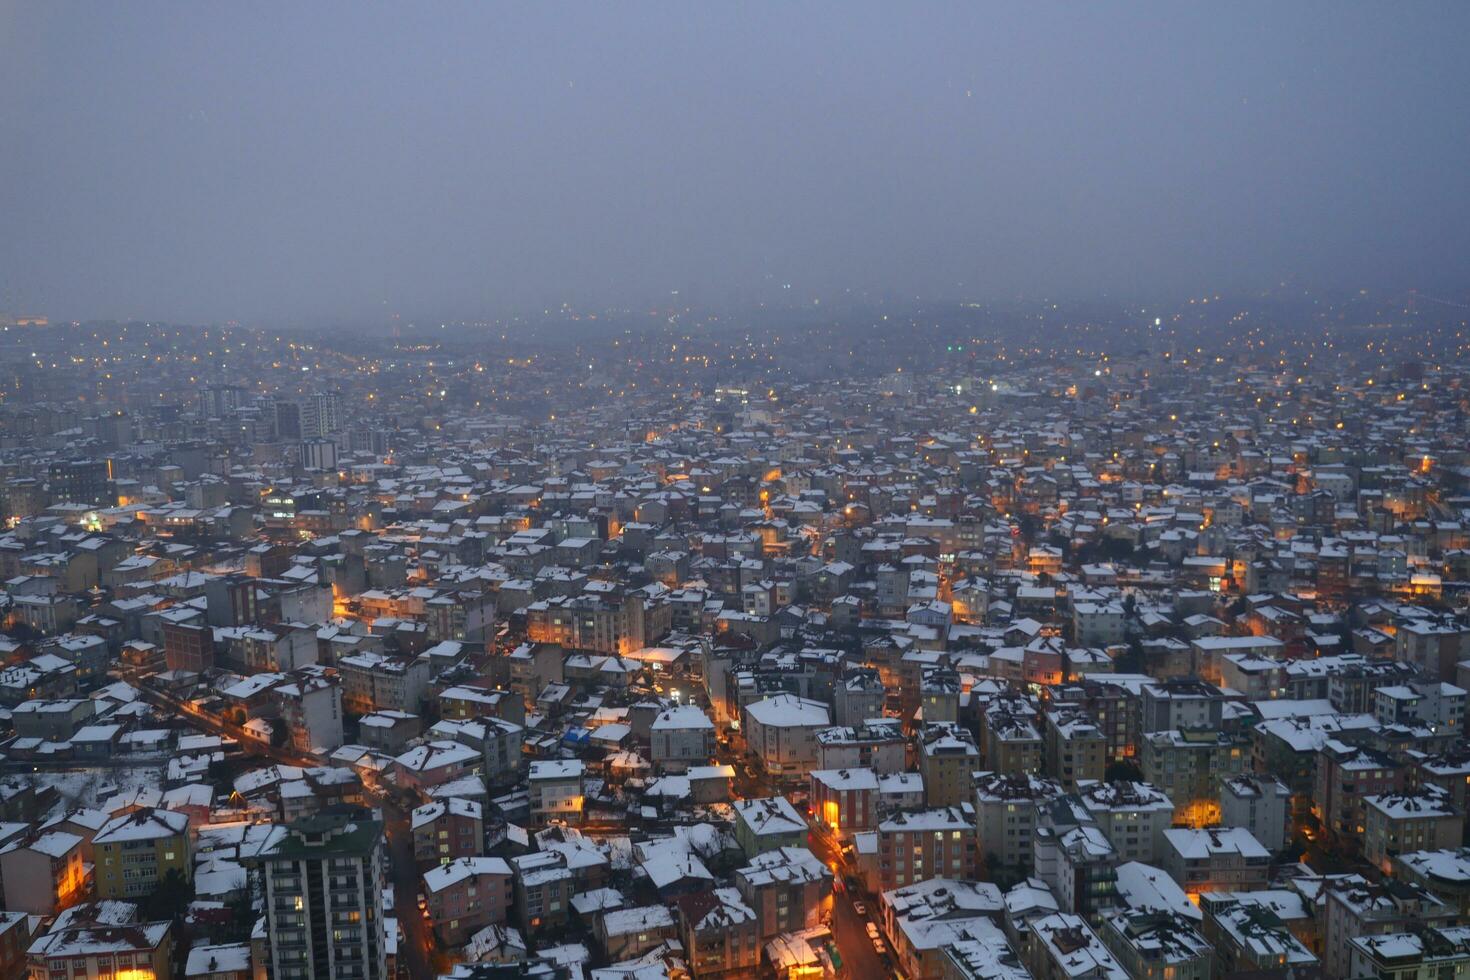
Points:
x=415, y=951
x=849, y=930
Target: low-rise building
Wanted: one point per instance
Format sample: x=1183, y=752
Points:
x=859, y=696
x=1354, y=906
x=1075, y=747
x=1188, y=765
x=1445, y=872
x=446, y=830
x=555, y=788
x=310, y=705
x=224, y=961
x=1075, y=859
x=845, y=801
x=991, y=958
x=1063, y=947
x=925, y=844
x=390, y=731
x=947, y=758
x=1346, y=775
x=720, y=933
x=1414, y=820
x=142, y=949
x=15, y=939
x=1216, y=859
x=374, y=682
x=1260, y=804
x=788, y=888
x=500, y=743
x=1005, y=815
x=1250, y=937
x=1146, y=888
x=681, y=737
x=1442, y=951
x=1159, y=946
x=880, y=747
x=55, y=720
x=627, y=933
x=925, y=918
x=544, y=886
x=435, y=763
x=466, y=895
x=782, y=732
x=133, y=852
x=767, y=824
x=1012, y=743
x=1133, y=815
x=42, y=872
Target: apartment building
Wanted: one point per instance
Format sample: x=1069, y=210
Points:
x=466, y=895
x=446, y=830
x=1074, y=747
x=1218, y=859
x=134, y=851
x=1414, y=820
x=324, y=880
x=1133, y=815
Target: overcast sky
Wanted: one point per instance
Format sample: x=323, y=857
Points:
x=295, y=163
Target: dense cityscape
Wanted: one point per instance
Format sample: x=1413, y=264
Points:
x=940, y=641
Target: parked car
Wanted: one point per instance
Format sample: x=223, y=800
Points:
x=872, y=932
x=859, y=908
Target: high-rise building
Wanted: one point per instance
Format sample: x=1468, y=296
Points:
x=320, y=415
x=112, y=429
x=323, y=880
x=81, y=481
x=288, y=420
x=319, y=454
x=215, y=401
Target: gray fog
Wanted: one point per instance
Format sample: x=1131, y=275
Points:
x=298, y=163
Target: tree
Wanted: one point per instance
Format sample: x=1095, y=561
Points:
x=242, y=918
x=222, y=773
x=1004, y=878
x=1131, y=660
x=1123, y=769
x=169, y=899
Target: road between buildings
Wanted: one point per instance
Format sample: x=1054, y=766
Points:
x=415, y=950
x=849, y=930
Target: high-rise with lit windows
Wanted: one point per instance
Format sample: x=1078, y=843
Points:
x=323, y=882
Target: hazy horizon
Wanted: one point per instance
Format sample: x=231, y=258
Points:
x=336, y=163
